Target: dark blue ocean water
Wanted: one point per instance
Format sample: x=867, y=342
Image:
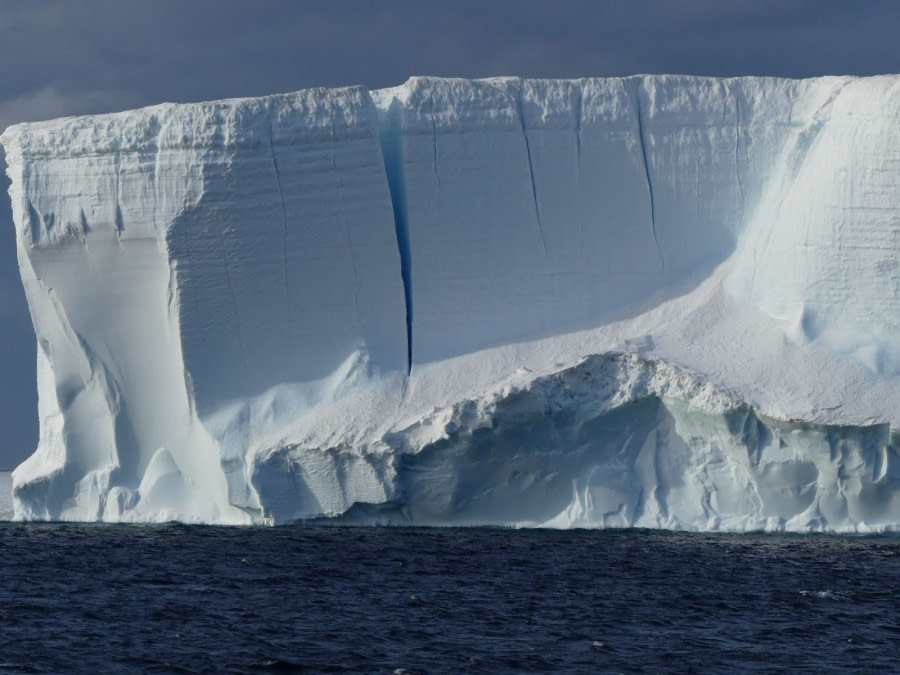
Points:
x=197, y=599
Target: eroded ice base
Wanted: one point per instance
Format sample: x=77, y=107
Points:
x=616, y=441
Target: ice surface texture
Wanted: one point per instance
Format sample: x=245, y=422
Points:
x=657, y=301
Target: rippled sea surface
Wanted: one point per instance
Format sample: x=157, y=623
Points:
x=170, y=598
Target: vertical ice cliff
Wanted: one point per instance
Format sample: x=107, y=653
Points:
x=367, y=303
x=536, y=203
x=183, y=257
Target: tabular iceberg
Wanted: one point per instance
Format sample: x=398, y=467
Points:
x=650, y=301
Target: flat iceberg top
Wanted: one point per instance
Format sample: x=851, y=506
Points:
x=451, y=101
x=212, y=124
x=562, y=104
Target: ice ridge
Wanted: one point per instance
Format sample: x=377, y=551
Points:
x=353, y=303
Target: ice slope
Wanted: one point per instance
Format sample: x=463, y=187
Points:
x=657, y=301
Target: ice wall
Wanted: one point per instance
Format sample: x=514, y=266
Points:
x=180, y=257
x=246, y=310
x=537, y=203
x=287, y=259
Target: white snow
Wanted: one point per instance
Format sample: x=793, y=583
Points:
x=656, y=301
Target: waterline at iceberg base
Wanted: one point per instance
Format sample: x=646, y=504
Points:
x=653, y=301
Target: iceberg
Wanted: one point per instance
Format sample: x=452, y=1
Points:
x=653, y=301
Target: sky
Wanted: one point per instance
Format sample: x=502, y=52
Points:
x=59, y=57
